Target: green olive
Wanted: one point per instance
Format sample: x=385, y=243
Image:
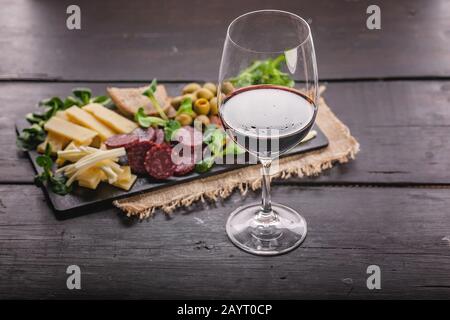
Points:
x=175, y=102
x=227, y=87
x=211, y=87
x=192, y=96
x=184, y=119
x=204, y=93
x=214, y=110
x=201, y=119
x=191, y=87
x=201, y=106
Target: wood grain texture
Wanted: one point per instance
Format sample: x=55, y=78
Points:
x=400, y=229
x=402, y=127
x=138, y=40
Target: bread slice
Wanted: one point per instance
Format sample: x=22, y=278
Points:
x=129, y=100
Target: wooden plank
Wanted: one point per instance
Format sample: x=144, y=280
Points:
x=402, y=127
x=183, y=40
x=402, y=230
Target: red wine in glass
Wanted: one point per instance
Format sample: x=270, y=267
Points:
x=268, y=120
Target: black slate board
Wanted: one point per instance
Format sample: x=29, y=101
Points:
x=81, y=199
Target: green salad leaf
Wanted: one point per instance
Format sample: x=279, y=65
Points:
x=214, y=137
x=264, y=72
x=147, y=121
x=170, y=128
x=216, y=141
x=31, y=137
x=232, y=148
x=150, y=93
x=83, y=96
x=57, y=183
x=186, y=107
x=204, y=165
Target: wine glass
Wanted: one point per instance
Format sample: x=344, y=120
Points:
x=268, y=76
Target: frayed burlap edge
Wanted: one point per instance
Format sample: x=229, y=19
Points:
x=342, y=148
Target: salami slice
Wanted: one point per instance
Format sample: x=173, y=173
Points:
x=189, y=137
x=144, y=134
x=158, y=161
x=159, y=136
x=121, y=140
x=183, y=169
x=136, y=156
x=184, y=159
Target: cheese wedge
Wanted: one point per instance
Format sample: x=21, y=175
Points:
x=70, y=130
x=126, y=174
x=62, y=115
x=125, y=184
x=57, y=143
x=110, y=118
x=90, y=178
x=85, y=119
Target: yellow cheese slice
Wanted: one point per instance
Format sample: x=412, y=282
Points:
x=85, y=119
x=62, y=115
x=90, y=178
x=110, y=118
x=125, y=175
x=70, y=130
x=61, y=160
x=125, y=184
x=57, y=143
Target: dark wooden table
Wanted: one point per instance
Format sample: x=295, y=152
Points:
x=389, y=207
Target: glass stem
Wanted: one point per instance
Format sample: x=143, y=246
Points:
x=266, y=202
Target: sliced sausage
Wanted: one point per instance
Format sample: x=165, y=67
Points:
x=136, y=156
x=189, y=137
x=121, y=140
x=144, y=134
x=158, y=161
x=159, y=136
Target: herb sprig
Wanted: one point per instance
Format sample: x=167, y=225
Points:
x=215, y=137
x=186, y=107
x=150, y=93
x=169, y=125
x=264, y=72
x=57, y=183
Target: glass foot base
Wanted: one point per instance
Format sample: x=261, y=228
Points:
x=251, y=231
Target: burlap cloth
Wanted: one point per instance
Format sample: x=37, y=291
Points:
x=342, y=148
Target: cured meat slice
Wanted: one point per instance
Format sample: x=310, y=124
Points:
x=144, y=134
x=183, y=169
x=189, y=137
x=159, y=136
x=129, y=100
x=136, y=156
x=121, y=140
x=158, y=161
x=185, y=159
